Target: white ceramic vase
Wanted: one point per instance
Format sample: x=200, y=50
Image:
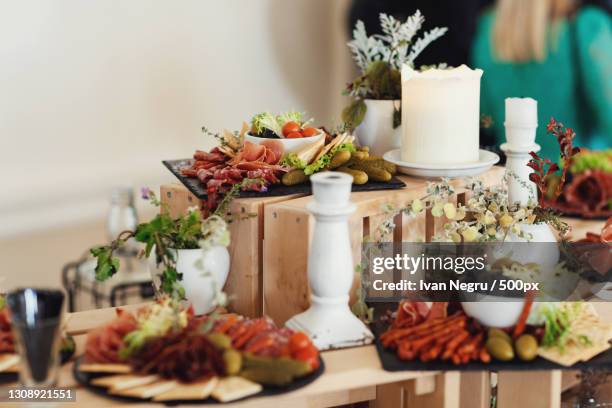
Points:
x=203, y=273
x=376, y=130
x=494, y=311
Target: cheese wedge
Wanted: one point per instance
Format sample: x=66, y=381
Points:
x=105, y=368
x=147, y=391
x=234, y=388
x=122, y=382
x=189, y=391
x=309, y=152
x=337, y=141
x=8, y=362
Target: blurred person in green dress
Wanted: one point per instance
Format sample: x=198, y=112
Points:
x=558, y=52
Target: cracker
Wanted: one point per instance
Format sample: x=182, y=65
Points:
x=147, y=391
x=8, y=363
x=189, y=391
x=105, y=368
x=124, y=381
x=234, y=388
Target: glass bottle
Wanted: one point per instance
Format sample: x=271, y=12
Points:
x=122, y=216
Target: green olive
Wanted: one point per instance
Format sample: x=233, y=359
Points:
x=499, y=333
x=526, y=347
x=500, y=349
x=233, y=361
x=220, y=340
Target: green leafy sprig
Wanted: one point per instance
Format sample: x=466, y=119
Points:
x=166, y=235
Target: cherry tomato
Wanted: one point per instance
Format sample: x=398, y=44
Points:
x=310, y=131
x=298, y=341
x=291, y=127
x=294, y=135
x=309, y=354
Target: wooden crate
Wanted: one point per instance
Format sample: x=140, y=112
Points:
x=288, y=228
x=245, y=281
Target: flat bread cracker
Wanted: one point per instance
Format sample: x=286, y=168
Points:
x=124, y=381
x=234, y=388
x=189, y=391
x=9, y=363
x=337, y=141
x=105, y=368
x=147, y=391
x=588, y=324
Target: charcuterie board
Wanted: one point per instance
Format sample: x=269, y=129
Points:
x=199, y=190
x=391, y=362
x=86, y=378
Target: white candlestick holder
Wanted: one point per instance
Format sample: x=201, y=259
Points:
x=520, y=189
x=329, y=321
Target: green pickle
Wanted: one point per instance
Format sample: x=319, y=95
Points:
x=294, y=177
x=373, y=170
x=356, y=156
x=272, y=371
x=359, y=177
x=339, y=159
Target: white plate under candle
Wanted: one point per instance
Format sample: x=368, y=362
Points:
x=486, y=160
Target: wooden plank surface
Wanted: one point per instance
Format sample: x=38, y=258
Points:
x=351, y=375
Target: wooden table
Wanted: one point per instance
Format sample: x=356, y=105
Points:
x=355, y=376
x=351, y=376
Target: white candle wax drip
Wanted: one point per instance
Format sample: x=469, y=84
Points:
x=440, y=115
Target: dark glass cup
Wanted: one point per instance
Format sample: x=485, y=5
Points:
x=36, y=316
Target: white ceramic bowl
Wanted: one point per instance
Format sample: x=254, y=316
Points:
x=290, y=145
x=494, y=313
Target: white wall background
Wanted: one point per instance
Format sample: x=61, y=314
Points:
x=94, y=94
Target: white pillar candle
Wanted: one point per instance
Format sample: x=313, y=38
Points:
x=440, y=115
x=521, y=112
x=521, y=122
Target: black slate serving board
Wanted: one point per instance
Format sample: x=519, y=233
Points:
x=391, y=362
x=194, y=185
x=85, y=380
x=7, y=378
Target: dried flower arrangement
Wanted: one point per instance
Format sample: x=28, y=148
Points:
x=380, y=58
x=581, y=184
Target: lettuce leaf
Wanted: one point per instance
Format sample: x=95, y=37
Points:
x=292, y=160
x=291, y=116
x=266, y=120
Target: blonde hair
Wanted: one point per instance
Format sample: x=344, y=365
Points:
x=521, y=28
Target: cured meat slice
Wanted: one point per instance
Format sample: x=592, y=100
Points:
x=251, y=152
x=104, y=343
x=276, y=147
